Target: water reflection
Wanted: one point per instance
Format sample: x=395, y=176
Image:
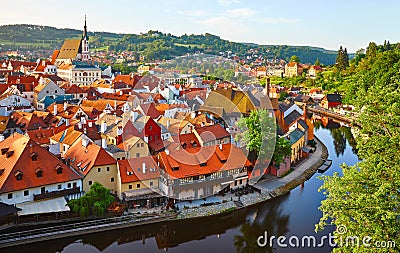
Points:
x=269, y=218
x=339, y=134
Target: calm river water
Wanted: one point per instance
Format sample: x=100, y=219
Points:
x=294, y=214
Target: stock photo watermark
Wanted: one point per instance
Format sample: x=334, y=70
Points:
x=311, y=241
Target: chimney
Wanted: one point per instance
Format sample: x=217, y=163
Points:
x=1, y=137
x=305, y=112
x=168, y=123
x=119, y=130
x=220, y=146
x=90, y=124
x=65, y=106
x=80, y=125
x=166, y=151
x=55, y=109
x=85, y=131
x=144, y=168
x=85, y=142
x=268, y=84
x=103, y=127
x=121, y=93
x=103, y=143
x=66, y=122
x=193, y=114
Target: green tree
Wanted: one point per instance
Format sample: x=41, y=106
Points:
x=258, y=133
x=283, y=149
x=94, y=202
x=317, y=63
x=294, y=58
x=371, y=50
x=342, y=59
x=366, y=198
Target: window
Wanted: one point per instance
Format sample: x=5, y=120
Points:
x=39, y=173
x=69, y=185
x=150, y=127
x=55, y=91
x=98, y=169
x=26, y=193
x=142, y=145
x=90, y=182
x=10, y=196
x=74, y=185
x=137, y=155
x=47, y=91
x=138, y=186
x=18, y=176
x=137, y=145
x=151, y=183
x=108, y=168
x=130, y=187
x=59, y=170
x=112, y=179
x=59, y=187
x=123, y=158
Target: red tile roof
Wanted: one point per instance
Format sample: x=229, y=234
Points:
x=131, y=170
x=84, y=158
x=187, y=161
x=213, y=132
x=21, y=161
x=186, y=140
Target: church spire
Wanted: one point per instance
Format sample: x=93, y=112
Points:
x=85, y=31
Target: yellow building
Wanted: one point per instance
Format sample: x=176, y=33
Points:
x=293, y=69
x=138, y=181
x=94, y=163
x=297, y=140
x=134, y=147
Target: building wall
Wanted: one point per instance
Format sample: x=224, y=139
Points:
x=140, y=149
x=296, y=149
x=144, y=184
x=103, y=176
x=19, y=196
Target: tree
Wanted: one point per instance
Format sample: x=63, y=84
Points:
x=366, y=198
x=317, y=63
x=294, y=58
x=371, y=50
x=95, y=201
x=342, y=59
x=258, y=133
x=283, y=149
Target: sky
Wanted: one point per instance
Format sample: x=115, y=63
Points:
x=322, y=23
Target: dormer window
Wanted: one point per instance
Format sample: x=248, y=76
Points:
x=59, y=169
x=2, y=171
x=39, y=173
x=34, y=156
x=18, y=175
x=4, y=150
x=9, y=154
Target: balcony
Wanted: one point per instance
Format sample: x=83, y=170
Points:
x=56, y=194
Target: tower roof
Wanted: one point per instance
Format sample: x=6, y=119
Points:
x=85, y=35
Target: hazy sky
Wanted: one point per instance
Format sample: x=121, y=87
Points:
x=323, y=23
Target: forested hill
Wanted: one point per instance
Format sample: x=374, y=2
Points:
x=153, y=44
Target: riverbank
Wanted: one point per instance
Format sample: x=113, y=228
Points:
x=269, y=188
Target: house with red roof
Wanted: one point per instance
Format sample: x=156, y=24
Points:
x=293, y=69
x=138, y=182
x=198, y=172
x=29, y=172
x=94, y=163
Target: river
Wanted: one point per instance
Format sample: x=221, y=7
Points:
x=293, y=214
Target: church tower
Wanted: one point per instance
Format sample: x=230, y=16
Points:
x=85, y=44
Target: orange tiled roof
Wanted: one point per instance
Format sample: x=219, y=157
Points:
x=131, y=170
x=17, y=158
x=187, y=161
x=84, y=158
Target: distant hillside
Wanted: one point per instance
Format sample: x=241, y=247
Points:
x=153, y=44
